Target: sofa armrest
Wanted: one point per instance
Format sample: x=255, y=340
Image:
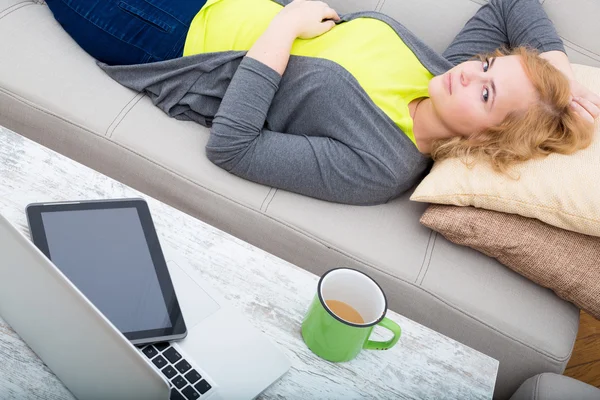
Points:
x=550, y=386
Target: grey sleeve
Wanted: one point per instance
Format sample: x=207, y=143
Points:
x=509, y=23
x=316, y=166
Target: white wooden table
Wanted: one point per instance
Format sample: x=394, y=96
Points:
x=272, y=293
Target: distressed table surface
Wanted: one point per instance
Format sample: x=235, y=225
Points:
x=272, y=293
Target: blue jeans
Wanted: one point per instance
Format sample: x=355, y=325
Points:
x=121, y=32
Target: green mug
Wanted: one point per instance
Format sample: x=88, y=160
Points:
x=343, y=313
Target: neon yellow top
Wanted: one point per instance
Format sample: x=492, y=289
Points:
x=369, y=49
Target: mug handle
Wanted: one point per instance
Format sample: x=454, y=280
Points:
x=392, y=326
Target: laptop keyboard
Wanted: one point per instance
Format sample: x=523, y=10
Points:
x=187, y=382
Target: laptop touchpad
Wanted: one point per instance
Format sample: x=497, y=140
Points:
x=194, y=302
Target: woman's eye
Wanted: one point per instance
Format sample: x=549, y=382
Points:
x=486, y=95
x=486, y=65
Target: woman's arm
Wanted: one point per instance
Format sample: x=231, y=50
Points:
x=504, y=23
x=560, y=61
x=528, y=25
x=586, y=102
x=300, y=19
x=316, y=166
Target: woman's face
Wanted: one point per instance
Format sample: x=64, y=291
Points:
x=475, y=95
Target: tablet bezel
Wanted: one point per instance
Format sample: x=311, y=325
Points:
x=178, y=329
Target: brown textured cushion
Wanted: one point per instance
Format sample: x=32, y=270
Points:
x=564, y=261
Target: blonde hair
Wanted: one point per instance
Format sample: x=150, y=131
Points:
x=550, y=125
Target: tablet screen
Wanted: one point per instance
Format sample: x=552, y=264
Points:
x=105, y=253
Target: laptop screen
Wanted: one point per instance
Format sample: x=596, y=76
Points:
x=110, y=251
x=105, y=254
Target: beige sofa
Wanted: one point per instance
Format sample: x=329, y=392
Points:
x=53, y=93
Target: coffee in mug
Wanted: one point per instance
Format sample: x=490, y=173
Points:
x=346, y=308
x=344, y=311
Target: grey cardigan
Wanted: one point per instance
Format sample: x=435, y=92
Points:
x=313, y=131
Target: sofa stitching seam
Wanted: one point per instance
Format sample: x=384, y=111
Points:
x=263, y=202
x=419, y=281
x=429, y=254
x=379, y=5
x=580, y=49
x=479, y=3
x=123, y=113
x=36, y=107
x=293, y=228
x=262, y=205
x=271, y=200
x=15, y=7
x=536, y=387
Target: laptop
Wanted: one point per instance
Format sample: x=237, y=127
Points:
x=95, y=361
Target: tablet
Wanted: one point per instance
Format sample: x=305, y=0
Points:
x=110, y=251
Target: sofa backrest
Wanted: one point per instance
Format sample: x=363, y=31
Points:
x=438, y=21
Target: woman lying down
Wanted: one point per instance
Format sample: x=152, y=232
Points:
x=350, y=110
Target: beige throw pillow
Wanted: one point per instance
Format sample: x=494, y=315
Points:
x=563, y=191
x=566, y=262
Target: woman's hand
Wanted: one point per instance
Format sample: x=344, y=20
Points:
x=306, y=19
x=303, y=19
x=585, y=102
